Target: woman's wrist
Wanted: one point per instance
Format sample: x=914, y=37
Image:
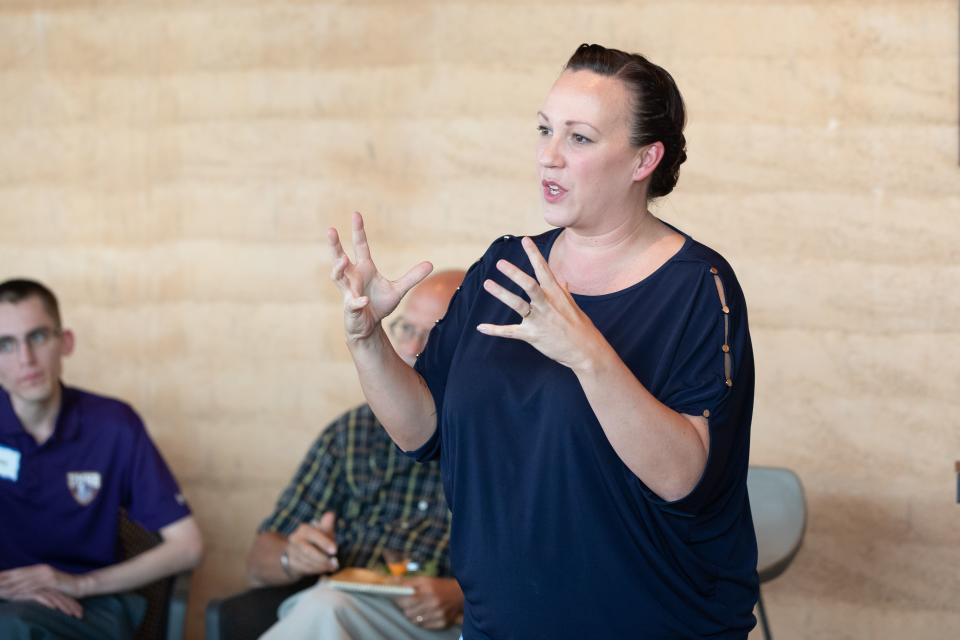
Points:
x=595, y=357
x=372, y=342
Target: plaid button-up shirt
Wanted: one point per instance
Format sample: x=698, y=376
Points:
x=382, y=498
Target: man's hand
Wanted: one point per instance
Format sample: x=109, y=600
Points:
x=20, y=582
x=437, y=604
x=43, y=584
x=55, y=600
x=312, y=548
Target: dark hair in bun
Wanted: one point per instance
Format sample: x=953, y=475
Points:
x=658, y=113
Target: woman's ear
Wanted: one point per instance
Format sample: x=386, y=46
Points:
x=647, y=159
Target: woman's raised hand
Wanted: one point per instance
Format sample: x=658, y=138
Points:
x=551, y=321
x=368, y=297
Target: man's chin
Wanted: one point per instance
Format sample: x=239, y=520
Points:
x=34, y=393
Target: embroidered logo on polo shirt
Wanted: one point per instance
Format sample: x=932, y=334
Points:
x=83, y=485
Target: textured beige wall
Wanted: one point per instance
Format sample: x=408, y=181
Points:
x=170, y=168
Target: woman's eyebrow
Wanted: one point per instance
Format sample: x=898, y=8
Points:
x=569, y=122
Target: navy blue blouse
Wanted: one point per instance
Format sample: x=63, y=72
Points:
x=552, y=535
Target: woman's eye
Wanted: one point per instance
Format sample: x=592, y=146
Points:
x=579, y=139
x=543, y=131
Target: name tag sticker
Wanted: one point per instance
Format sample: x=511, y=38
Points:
x=9, y=463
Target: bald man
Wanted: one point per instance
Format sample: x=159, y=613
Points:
x=355, y=496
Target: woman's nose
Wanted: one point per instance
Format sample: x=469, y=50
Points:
x=549, y=155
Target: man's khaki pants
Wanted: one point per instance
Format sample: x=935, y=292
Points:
x=322, y=612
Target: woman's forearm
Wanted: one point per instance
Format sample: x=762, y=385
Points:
x=397, y=394
x=665, y=449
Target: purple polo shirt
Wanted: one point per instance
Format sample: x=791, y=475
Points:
x=59, y=501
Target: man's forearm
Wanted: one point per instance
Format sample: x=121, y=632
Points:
x=263, y=561
x=181, y=549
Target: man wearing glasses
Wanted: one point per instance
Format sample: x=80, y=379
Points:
x=355, y=499
x=70, y=460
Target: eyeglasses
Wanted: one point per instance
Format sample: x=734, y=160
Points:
x=403, y=331
x=35, y=340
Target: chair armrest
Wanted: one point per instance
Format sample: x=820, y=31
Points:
x=247, y=615
x=177, y=607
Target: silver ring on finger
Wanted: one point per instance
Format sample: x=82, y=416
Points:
x=529, y=310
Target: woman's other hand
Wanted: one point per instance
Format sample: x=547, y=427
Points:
x=368, y=296
x=551, y=321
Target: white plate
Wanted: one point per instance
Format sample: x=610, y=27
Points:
x=376, y=589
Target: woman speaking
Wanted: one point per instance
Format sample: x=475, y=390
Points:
x=590, y=390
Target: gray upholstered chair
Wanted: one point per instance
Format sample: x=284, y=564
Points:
x=780, y=520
